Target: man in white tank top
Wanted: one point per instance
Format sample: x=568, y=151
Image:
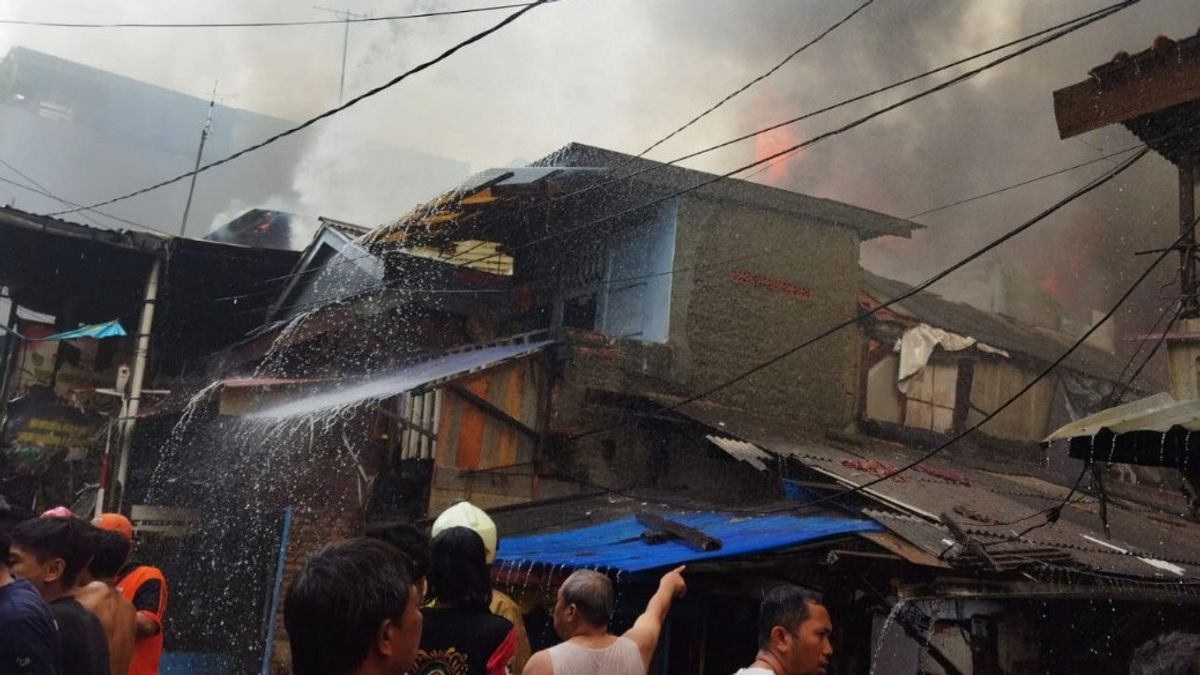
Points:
x=585, y=601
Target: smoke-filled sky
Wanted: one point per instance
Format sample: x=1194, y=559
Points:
x=622, y=73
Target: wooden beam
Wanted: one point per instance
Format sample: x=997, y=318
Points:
x=695, y=539
x=1120, y=97
x=491, y=409
x=405, y=422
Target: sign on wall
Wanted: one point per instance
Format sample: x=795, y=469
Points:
x=169, y=521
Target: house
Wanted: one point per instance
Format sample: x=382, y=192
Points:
x=570, y=345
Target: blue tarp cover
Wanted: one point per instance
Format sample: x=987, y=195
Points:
x=98, y=331
x=617, y=545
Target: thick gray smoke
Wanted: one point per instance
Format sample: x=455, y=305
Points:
x=621, y=73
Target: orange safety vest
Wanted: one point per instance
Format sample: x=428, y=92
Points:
x=146, y=650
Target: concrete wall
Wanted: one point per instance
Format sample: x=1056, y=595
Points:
x=755, y=283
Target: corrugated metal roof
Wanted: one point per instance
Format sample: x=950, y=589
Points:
x=742, y=451
x=994, y=329
x=617, y=544
x=1160, y=412
x=991, y=496
x=406, y=378
x=868, y=224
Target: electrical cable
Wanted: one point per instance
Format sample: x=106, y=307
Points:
x=820, y=36
x=264, y=24
x=1109, y=175
x=1100, y=13
x=313, y=120
x=1045, y=372
x=729, y=97
x=829, y=134
x=46, y=193
x=1054, y=513
x=1071, y=25
x=1092, y=18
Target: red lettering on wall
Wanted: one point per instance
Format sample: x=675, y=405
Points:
x=771, y=284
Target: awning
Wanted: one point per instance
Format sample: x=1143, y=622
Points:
x=407, y=378
x=97, y=331
x=618, y=545
x=1153, y=431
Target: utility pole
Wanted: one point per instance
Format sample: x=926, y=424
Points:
x=204, y=132
x=346, y=16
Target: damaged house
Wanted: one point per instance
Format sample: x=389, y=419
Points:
x=575, y=346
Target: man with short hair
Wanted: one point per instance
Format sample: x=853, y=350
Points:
x=29, y=643
x=412, y=543
x=581, y=613
x=352, y=610
x=1171, y=654
x=146, y=587
x=97, y=593
x=48, y=553
x=793, y=634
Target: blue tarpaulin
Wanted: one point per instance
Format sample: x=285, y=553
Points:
x=617, y=545
x=99, y=330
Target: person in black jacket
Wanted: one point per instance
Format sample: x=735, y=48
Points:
x=28, y=639
x=49, y=553
x=462, y=636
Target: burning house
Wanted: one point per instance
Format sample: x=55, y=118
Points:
x=573, y=346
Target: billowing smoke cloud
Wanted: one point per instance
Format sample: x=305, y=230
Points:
x=622, y=73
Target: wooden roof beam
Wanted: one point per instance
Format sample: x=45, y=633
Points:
x=1100, y=101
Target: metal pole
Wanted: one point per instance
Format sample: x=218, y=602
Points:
x=9, y=351
x=1187, y=214
x=345, y=46
x=199, y=153
x=284, y=538
x=136, y=378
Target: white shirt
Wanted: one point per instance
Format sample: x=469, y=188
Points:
x=754, y=671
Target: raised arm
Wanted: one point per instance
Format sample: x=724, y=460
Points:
x=648, y=626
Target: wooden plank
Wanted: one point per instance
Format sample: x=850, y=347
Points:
x=493, y=410
x=695, y=539
x=902, y=548
x=1093, y=103
x=471, y=422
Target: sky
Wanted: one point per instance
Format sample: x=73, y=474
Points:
x=622, y=73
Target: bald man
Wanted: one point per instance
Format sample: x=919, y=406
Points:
x=585, y=602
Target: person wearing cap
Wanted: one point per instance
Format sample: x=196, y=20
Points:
x=146, y=587
x=465, y=514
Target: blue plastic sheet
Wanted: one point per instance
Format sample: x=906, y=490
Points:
x=617, y=545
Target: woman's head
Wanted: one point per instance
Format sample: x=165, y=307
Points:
x=458, y=570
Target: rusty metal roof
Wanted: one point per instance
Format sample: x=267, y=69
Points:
x=993, y=502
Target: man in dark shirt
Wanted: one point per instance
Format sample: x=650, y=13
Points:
x=48, y=553
x=28, y=639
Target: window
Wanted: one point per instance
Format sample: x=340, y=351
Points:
x=629, y=292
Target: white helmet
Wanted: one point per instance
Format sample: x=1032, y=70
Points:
x=466, y=514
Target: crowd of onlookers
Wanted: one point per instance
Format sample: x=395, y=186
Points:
x=72, y=601
x=393, y=602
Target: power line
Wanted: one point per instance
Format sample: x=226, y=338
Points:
x=820, y=36
x=46, y=193
x=266, y=24
x=328, y=113
x=1071, y=27
x=730, y=96
x=1023, y=183
x=1103, y=12
x=1040, y=376
x=656, y=166
x=835, y=132
x=1113, y=173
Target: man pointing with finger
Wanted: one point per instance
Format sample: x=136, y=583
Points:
x=585, y=601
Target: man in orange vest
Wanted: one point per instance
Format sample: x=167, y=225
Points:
x=146, y=588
